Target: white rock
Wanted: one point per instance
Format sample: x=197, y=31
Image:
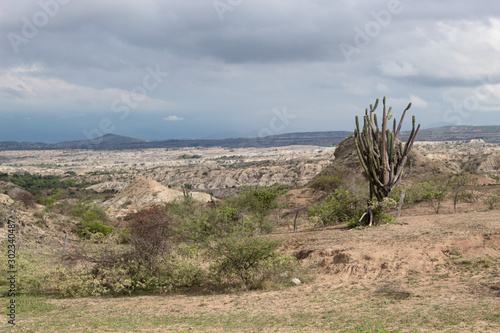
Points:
x=296, y=281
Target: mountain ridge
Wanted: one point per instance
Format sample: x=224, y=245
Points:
x=490, y=134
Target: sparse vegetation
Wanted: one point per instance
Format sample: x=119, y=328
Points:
x=34, y=183
x=188, y=156
x=189, y=257
x=256, y=204
x=228, y=158
x=341, y=206
x=26, y=198
x=330, y=179
x=493, y=200
x=434, y=192
x=255, y=260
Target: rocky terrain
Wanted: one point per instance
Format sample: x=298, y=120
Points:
x=219, y=171
x=146, y=192
x=474, y=155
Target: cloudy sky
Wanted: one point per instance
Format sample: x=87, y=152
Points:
x=171, y=69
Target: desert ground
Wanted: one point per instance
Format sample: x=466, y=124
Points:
x=422, y=272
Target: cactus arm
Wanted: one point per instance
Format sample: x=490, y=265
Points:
x=401, y=121
x=383, y=170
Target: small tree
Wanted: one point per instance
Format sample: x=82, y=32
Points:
x=435, y=191
x=258, y=203
x=381, y=153
x=458, y=183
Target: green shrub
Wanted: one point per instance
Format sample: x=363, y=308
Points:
x=464, y=185
x=253, y=260
x=225, y=158
x=93, y=221
x=380, y=217
x=218, y=221
x=434, y=192
x=182, y=209
x=330, y=179
x=94, y=229
x=257, y=204
x=48, y=200
x=395, y=194
x=117, y=274
x=493, y=200
x=70, y=283
x=29, y=278
x=35, y=183
x=378, y=212
x=414, y=194
x=184, y=274
x=80, y=209
x=130, y=275
x=353, y=223
x=187, y=156
x=341, y=206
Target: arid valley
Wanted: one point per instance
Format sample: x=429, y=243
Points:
x=421, y=272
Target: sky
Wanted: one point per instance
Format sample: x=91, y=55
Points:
x=181, y=69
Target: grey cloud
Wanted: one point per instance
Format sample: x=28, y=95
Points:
x=11, y=93
x=263, y=54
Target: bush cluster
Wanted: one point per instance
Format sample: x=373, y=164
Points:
x=255, y=260
x=170, y=247
x=35, y=183
x=256, y=204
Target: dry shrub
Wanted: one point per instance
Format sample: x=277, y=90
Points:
x=150, y=229
x=26, y=198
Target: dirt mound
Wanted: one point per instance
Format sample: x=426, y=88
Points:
x=417, y=246
x=423, y=168
x=11, y=189
x=144, y=192
x=346, y=155
x=5, y=199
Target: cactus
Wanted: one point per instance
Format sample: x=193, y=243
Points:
x=381, y=153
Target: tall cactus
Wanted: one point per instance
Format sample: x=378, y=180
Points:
x=381, y=153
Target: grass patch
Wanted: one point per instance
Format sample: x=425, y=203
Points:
x=253, y=311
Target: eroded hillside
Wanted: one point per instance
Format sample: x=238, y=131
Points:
x=219, y=171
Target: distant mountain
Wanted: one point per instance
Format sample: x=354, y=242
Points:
x=489, y=134
x=115, y=142
x=106, y=141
